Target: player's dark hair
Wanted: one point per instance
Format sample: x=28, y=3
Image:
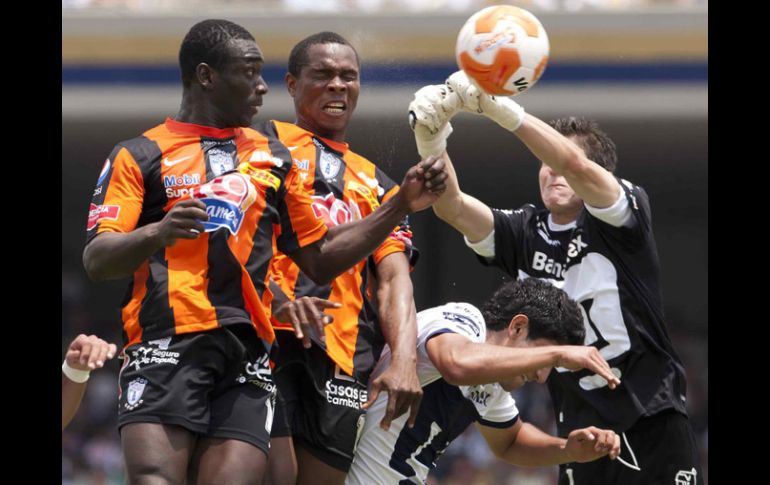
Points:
x=552, y=314
x=594, y=142
x=207, y=42
x=299, y=54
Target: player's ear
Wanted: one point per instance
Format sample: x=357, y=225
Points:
x=205, y=76
x=518, y=328
x=291, y=84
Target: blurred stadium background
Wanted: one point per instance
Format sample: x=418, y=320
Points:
x=639, y=67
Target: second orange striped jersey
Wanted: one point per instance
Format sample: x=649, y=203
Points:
x=249, y=186
x=345, y=187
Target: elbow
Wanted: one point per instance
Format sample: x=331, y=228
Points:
x=91, y=268
x=459, y=372
x=94, y=270
x=576, y=164
x=318, y=274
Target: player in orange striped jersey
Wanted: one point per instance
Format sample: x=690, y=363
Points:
x=322, y=381
x=187, y=210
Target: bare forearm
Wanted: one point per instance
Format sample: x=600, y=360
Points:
x=476, y=363
x=448, y=206
x=398, y=317
x=348, y=244
x=592, y=183
x=548, y=145
x=535, y=448
x=71, y=395
x=466, y=214
x=112, y=255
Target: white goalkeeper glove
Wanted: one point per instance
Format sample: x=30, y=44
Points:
x=429, y=114
x=502, y=110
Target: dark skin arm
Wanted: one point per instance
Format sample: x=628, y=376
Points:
x=345, y=245
x=303, y=313
x=112, y=255
x=398, y=321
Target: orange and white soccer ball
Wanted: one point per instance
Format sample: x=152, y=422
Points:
x=503, y=49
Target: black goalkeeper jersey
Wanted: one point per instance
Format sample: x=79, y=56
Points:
x=613, y=272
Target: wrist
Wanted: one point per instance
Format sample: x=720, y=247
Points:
x=152, y=235
x=398, y=205
x=75, y=375
x=434, y=144
x=506, y=113
x=403, y=357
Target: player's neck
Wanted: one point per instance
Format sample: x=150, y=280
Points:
x=199, y=112
x=495, y=338
x=564, y=218
x=338, y=136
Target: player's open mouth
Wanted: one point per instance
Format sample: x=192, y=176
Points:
x=335, y=107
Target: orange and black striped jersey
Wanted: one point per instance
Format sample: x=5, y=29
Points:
x=345, y=187
x=249, y=185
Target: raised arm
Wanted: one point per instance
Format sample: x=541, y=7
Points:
x=462, y=362
x=465, y=213
x=591, y=182
x=345, y=245
x=398, y=321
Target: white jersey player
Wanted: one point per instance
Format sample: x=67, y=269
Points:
x=467, y=364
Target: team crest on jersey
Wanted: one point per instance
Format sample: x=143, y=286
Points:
x=97, y=213
x=330, y=165
x=134, y=394
x=220, y=161
x=227, y=198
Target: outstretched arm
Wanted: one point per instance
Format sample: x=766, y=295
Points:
x=429, y=114
x=465, y=213
x=525, y=445
x=398, y=321
x=345, y=245
x=462, y=362
x=591, y=182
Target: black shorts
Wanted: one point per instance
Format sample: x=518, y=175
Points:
x=318, y=404
x=660, y=449
x=215, y=383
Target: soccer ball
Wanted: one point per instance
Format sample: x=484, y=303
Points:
x=503, y=49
